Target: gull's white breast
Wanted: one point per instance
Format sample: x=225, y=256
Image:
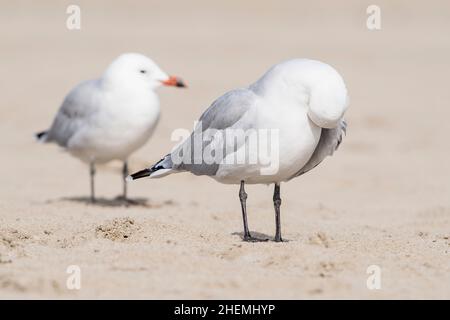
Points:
x=122, y=124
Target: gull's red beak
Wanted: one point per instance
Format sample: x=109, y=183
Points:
x=174, y=82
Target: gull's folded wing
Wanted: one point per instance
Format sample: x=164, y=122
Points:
x=71, y=117
x=330, y=139
x=231, y=111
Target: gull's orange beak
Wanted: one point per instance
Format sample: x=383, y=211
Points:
x=174, y=82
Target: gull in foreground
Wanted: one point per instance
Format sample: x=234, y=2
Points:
x=111, y=117
x=297, y=105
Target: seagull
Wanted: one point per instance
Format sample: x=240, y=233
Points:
x=301, y=102
x=111, y=117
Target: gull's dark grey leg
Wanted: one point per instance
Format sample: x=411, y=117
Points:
x=124, y=176
x=243, y=198
x=124, y=197
x=92, y=173
x=277, y=204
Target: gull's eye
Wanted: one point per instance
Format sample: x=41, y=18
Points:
x=143, y=71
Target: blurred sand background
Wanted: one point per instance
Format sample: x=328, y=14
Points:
x=383, y=199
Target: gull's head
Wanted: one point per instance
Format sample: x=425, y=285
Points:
x=311, y=84
x=139, y=72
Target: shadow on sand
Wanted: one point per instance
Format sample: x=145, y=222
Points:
x=257, y=236
x=105, y=202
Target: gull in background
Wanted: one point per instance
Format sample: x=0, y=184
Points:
x=111, y=117
x=304, y=100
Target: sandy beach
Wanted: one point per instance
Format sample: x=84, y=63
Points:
x=383, y=199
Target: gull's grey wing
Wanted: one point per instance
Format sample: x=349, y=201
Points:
x=76, y=108
x=227, y=112
x=330, y=139
x=228, y=109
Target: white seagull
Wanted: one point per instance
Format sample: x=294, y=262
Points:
x=111, y=117
x=302, y=101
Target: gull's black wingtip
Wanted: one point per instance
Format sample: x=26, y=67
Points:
x=140, y=174
x=41, y=136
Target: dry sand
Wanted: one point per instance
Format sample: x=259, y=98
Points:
x=383, y=199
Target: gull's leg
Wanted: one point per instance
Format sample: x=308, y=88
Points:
x=277, y=204
x=124, y=176
x=124, y=197
x=92, y=174
x=243, y=198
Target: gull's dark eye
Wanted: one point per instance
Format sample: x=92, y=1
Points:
x=143, y=71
